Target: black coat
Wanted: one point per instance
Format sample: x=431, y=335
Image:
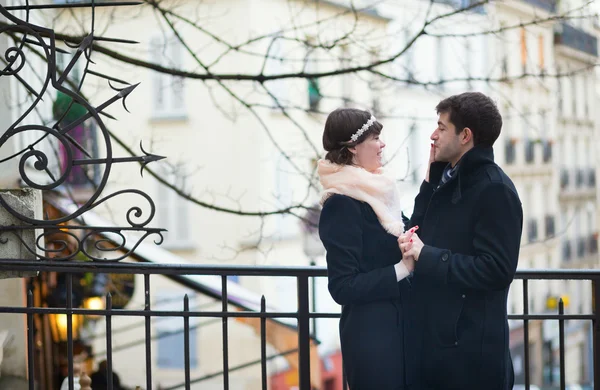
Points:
x=471, y=227
x=360, y=268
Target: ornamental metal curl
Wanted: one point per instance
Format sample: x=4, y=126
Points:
x=75, y=120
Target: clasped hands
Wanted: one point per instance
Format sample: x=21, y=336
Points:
x=410, y=245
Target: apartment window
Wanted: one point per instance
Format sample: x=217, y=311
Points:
x=275, y=66
x=510, y=151
x=529, y=151
x=550, y=227
x=579, y=178
x=167, y=90
x=532, y=230
x=440, y=55
x=567, y=250
x=581, y=247
x=592, y=177
x=346, y=80
x=313, y=87
x=468, y=66
x=375, y=88
x=173, y=210
x=564, y=178
x=170, y=332
x=524, y=49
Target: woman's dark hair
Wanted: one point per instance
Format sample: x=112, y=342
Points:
x=341, y=124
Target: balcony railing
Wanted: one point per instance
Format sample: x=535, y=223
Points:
x=303, y=313
x=547, y=5
x=576, y=39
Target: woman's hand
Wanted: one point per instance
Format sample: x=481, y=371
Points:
x=431, y=160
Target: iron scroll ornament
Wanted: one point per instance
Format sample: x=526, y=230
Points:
x=33, y=158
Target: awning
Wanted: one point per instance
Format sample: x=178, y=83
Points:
x=281, y=332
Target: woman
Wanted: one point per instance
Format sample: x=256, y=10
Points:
x=359, y=226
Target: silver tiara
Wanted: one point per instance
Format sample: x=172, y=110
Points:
x=364, y=128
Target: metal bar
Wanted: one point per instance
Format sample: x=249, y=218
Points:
x=596, y=331
x=186, y=339
x=69, y=281
x=303, y=333
x=148, y=332
x=263, y=343
x=71, y=5
x=314, y=301
x=109, y=373
x=561, y=344
x=526, y=331
x=203, y=269
x=225, y=333
x=30, y=343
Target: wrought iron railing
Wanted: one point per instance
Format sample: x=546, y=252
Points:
x=304, y=315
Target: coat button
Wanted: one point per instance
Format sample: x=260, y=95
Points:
x=464, y=296
x=456, y=343
x=445, y=257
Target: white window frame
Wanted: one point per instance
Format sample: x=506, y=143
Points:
x=173, y=211
x=168, y=91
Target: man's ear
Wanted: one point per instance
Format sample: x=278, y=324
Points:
x=466, y=136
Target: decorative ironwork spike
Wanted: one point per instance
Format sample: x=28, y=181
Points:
x=115, y=40
x=148, y=158
x=127, y=90
x=71, y=5
x=110, y=78
x=107, y=115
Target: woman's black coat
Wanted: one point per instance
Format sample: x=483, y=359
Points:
x=375, y=307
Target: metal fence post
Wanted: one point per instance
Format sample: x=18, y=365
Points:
x=303, y=333
x=596, y=332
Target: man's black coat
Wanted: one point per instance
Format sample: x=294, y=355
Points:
x=471, y=227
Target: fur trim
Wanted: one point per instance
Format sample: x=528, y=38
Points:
x=376, y=189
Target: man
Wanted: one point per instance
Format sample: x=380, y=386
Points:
x=465, y=238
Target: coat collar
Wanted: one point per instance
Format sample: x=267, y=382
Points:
x=470, y=162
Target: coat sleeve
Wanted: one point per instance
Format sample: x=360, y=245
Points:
x=340, y=229
x=496, y=241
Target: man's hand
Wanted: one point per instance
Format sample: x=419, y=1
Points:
x=431, y=160
x=410, y=244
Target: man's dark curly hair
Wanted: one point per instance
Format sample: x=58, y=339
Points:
x=475, y=111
